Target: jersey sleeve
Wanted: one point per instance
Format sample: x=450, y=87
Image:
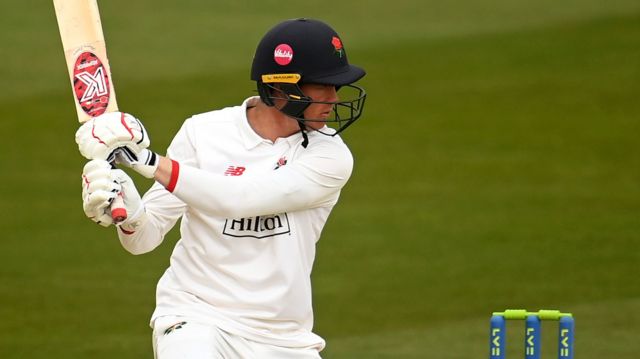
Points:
x=313, y=180
x=162, y=209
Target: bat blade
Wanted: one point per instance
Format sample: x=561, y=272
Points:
x=86, y=56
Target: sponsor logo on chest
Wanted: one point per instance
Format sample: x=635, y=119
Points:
x=258, y=226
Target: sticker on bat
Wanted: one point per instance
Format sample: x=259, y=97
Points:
x=91, y=84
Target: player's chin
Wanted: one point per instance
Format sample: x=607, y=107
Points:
x=316, y=123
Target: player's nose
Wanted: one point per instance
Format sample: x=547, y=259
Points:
x=332, y=94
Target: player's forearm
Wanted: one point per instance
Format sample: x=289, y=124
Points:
x=139, y=234
x=146, y=229
x=163, y=172
x=234, y=197
x=145, y=238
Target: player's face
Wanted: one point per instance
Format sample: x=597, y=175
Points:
x=319, y=111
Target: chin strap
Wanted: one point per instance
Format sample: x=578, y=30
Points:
x=305, y=137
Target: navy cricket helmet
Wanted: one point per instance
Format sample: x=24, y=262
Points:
x=301, y=51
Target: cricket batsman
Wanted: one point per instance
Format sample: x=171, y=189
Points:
x=252, y=186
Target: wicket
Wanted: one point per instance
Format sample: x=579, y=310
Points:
x=497, y=335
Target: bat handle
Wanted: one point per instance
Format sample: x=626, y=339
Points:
x=118, y=210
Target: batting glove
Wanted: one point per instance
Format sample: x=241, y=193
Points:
x=100, y=185
x=144, y=162
x=100, y=136
x=132, y=202
x=99, y=188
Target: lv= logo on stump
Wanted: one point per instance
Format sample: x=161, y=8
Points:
x=533, y=332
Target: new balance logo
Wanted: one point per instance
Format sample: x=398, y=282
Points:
x=234, y=171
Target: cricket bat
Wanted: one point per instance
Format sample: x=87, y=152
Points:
x=86, y=56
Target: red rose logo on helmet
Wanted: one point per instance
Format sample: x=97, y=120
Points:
x=283, y=54
x=337, y=45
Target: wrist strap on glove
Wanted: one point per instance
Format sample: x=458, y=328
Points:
x=145, y=162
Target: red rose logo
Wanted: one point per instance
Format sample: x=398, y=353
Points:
x=337, y=45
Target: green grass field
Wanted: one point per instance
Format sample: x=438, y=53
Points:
x=497, y=166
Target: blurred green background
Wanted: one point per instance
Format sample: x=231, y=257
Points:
x=497, y=166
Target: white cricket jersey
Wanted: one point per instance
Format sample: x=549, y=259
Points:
x=252, y=211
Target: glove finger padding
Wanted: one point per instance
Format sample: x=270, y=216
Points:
x=99, y=215
x=99, y=188
x=100, y=136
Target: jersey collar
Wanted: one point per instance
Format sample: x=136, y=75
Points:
x=249, y=137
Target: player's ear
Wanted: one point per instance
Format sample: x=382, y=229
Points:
x=278, y=95
x=265, y=93
x=276, y=91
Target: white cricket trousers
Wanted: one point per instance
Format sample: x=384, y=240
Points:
x=180, y=338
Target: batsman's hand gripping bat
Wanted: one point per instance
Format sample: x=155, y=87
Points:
x=86, y=55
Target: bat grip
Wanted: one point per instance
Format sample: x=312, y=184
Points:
x=118, y=210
